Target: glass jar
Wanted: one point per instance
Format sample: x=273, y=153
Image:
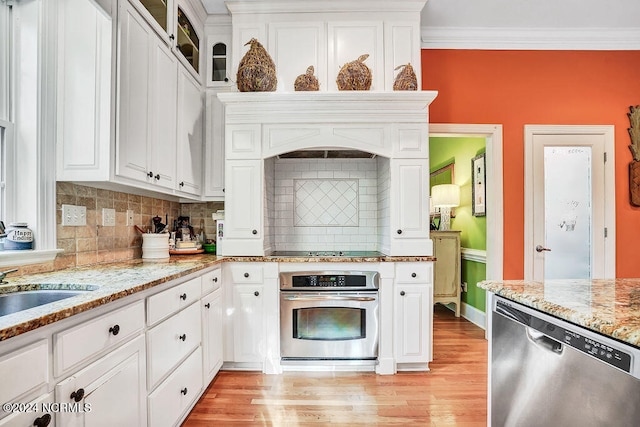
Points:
x=19, y=237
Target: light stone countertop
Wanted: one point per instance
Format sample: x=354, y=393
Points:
x=118, y=280
x=609, y=307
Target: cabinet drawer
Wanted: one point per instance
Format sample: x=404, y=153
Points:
x=246, y=273
x=414, y=272
x=170, y=400
x=170, y=301
x=83, y=341
x=211, y=281
x=24, y=370
x=172, y=340
x=29, y=418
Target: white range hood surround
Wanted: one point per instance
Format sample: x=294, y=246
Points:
x=392, y=125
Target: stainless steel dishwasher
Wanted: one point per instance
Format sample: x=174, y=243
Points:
x=548, y=372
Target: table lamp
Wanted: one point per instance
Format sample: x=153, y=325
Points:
x=445, y=197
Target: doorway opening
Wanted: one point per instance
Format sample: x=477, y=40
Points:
x=493, y=254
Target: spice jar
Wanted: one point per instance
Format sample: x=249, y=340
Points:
x=19, y=237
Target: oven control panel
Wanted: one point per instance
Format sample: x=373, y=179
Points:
x=329, y=280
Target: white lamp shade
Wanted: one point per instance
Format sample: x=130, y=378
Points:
x=445, y=195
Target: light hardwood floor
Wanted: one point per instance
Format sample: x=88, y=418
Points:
x=453, y=393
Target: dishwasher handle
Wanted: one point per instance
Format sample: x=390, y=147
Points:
x=544, y=341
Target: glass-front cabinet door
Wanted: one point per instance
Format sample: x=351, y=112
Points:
x=159, y=11
x=188, y=42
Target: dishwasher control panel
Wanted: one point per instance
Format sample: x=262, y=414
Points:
x=571, y=337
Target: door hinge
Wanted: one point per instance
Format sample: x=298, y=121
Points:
x=606, y=232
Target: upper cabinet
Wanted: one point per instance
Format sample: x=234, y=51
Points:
x=188, y=41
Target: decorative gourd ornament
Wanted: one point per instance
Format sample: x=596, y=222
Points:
x=355, y=75
x=257, y=71
x=306, y=81
x=406, y=79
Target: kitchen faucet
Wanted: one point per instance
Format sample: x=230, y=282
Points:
x=3, y=274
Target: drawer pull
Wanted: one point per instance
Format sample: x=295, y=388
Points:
x=77, y=395
x=215, y=280
x=413, y=274
x=399, y=231
x=184, y=391
x=401, y=293
x=42, y=421
x=183, y=337
x=254, y=232
x=246, y=274
x=183, y=297
x=207, y=305
x=115, y=329
x=256, y=293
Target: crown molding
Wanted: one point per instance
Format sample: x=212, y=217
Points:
x=530, y=38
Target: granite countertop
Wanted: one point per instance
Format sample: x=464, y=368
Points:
x=610, y=307
x=110, y=282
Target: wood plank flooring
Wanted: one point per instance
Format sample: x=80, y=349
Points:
x=453, y=393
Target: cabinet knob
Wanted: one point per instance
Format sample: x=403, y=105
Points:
x=183, y=337
x=184, y=391
x=183, y=297
x=413, y=274
x=42, y=421
x=254, y=232
x=172, y=37
x=150, y=174
x=181, y=184
x=401, y=293
x=215, y=280
x=256, y=293
x=157, y=177
x=399, y=231
x=115, y=329
x=77, y=395
x=207, y=305
x=246, y=274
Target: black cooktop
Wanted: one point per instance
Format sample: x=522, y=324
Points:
x=345, y=254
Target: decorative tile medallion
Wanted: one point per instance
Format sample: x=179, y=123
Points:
x=325, y=202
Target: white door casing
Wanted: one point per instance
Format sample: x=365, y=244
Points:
x=601, y=141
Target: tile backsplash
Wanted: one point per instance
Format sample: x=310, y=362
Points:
x=95, y=243
x=326, y=204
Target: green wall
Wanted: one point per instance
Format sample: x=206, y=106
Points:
x=460, y=151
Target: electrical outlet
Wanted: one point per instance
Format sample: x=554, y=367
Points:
x=74, y=215
x=129, y=216
x=108, y=217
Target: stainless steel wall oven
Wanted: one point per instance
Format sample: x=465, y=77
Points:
x=329, y=315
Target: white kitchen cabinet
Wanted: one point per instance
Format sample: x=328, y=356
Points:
x=76, y=345
x=413, y=309
x=212, y=306
x=39, y=417
x=190, y=127
x=410, y=207
x=170, y=301
x=24, y=372
x=84, y=91
x=211, y=281
x=243, y=231
x=446, y=272
x=147, y=103
x=219, y=73
x=109, y=392
x=170, y=401
x=214, y=148
x=171, y=341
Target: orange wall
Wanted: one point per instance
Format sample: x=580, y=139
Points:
x=514, y=88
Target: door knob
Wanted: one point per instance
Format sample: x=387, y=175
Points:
x=541, y=248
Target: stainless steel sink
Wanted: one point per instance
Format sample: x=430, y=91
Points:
x=13, y=302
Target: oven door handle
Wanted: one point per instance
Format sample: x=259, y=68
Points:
x=329, y=298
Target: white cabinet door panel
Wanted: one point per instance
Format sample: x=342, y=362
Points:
x=243, y=198
x=190, y=134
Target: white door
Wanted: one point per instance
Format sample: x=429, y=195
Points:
x=569, y=202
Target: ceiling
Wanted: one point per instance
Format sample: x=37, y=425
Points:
x=495, y=24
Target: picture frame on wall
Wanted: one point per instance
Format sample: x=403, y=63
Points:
x=478, y=185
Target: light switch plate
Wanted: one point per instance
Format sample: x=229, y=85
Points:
x=129, y=216
x=74, y=215
x=108, y=217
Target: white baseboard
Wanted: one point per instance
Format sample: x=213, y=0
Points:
x=473, y=315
